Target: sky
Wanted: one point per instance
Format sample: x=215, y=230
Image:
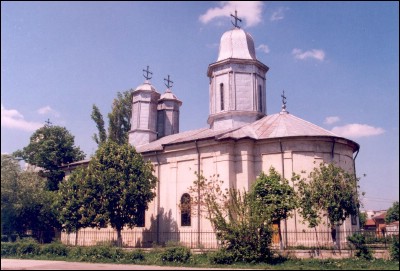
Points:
x=338, y=63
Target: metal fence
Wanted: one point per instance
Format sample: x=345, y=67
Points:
x=142, y=239
x=207, y=240
x=336, y=240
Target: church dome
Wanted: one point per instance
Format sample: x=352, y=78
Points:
x=236, y=43
x=168, y=95
x=146, y=86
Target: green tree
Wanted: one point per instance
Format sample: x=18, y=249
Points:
x=362, y=219
x=25, y=203
x=329, y=192
x=243, y=220
x=97, y=117
x=123, y=184
x=51, y=147
x=392, y=213
x=119, y=119
x=74, y=195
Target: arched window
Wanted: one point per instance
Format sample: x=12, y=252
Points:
x=185, y=210
x=221, y=94
x=260, y=101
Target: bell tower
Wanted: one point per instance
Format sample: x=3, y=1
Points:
x=237, y=82
x=144, y=113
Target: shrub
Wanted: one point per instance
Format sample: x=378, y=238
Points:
x=221, y=256
x=75, y=253
x=394, y=249
x=8, y=249
x=358, y=241
x=55, y=248
x=134, y=255
x=97, y=253
x=176, y=254
x=27, y=247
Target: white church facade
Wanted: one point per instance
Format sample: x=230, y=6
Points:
x=241, y=141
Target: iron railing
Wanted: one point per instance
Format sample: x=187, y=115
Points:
x=207, y=240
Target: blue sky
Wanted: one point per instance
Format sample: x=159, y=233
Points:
x=338, y=63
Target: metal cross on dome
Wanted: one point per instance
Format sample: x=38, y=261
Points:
x=236, y=19
x=283, y=101
x=283, y=97
x=48, y=123
x=168, y=84
x=147, y=73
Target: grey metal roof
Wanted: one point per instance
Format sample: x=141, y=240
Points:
x=278, y=125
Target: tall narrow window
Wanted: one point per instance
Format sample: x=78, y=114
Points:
x=260, y=101
x=185, y=210
x=141, y=217
x=221, y=94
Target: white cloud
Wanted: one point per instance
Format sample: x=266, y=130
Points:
x=314, y=53
x=331, y=120
x=249, y=11
x=11, y=118
x=278, y=14
x=356, y=130
x=47, y=110
x=264, y=48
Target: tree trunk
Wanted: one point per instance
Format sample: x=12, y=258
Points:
x=76, y=237
x=316, y=235
x=119, y=238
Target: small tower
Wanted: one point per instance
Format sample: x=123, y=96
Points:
x=168, y=112
x=237, y=82
x=144, y=113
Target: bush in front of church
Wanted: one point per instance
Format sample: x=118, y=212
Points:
x=177, y=254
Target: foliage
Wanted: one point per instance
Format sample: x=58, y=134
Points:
x=76, y=202
x=392, y=213
x=358, y=241
x=394, y=249
x=25, y=203
x=243, y=220
x=117, y=188
x=274, y=195
x=177, y=254
x=55, y=249
x=221, y=256
x=97, y=117
x=8, y=250
x=51, y=147
x=135, y=255
x=120, y=117
x=330, y=192
x=119, y=120
x=362, y=219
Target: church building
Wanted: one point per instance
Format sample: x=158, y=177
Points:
x=240, y=142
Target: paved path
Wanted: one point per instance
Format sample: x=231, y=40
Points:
x=14, y=264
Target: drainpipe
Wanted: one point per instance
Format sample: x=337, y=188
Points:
x=283, y=176
x=198, y=193
x=355, y=176
x=333, y=149
x=158, y=198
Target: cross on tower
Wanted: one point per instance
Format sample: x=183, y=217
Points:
x=236, y=19
x=283, y=101
x=147, y=73
x=283, y=97
x=168, y=82
x=48, y=123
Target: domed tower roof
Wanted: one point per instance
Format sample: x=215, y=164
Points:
x=146, y=86
x=168, y=95
x=236, y=43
